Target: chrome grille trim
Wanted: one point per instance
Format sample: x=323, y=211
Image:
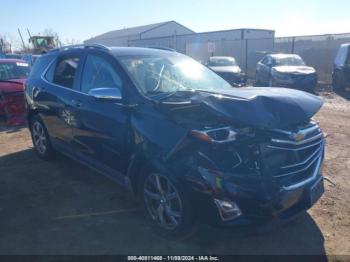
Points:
x=303, y=169
x=295, y=149
x=305, y=161
x=309, y=179
x=305, y=130
x=297, y=143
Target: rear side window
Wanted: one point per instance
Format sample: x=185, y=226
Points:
x=65, y=71
x=50, y=72
x=99, y=73
x=40, y=65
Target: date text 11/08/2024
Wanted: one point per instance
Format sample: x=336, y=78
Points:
x=173, y=258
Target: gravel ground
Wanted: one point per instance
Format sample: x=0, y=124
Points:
x=61, y=207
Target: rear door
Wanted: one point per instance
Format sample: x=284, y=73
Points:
x=99, y=138
x=56, y=98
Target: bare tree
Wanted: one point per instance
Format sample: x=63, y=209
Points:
x=9, y=43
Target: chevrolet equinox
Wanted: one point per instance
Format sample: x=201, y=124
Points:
x=186, y=143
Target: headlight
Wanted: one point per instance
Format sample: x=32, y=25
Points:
x=219, y=135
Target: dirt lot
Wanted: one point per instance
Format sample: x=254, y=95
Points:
x=61, y=207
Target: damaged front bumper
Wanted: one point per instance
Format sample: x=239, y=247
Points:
x=299, y=82
x=284, y=180
x=255, y=208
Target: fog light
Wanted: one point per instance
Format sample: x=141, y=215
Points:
x=228, y=210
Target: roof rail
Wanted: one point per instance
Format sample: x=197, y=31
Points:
x=67, y=47
x=162, y=48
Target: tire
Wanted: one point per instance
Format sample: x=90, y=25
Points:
x=338, y=82
x=40, y=138
x=170, y=213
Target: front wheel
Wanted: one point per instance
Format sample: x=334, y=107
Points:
x=40, y=138
x=168, y=206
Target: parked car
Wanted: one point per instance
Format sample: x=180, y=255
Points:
x=228, y=69
x=341, y=72
x=285, y=70
x=185, y=142
x=13, y=56
x=13, y=73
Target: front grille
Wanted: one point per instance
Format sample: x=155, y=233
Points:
x=304, y=78
x=293, y=157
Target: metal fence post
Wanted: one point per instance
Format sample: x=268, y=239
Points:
x=293, y=45
x=246, y=56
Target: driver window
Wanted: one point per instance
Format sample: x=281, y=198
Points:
x=99, y=73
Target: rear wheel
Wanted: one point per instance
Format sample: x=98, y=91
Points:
x=167, y=205
x=40, y=138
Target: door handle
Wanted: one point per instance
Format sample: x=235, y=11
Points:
x=77, y=103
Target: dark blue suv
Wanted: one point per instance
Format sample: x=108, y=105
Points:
x=177, y=135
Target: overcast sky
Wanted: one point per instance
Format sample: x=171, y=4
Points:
x=82, y=19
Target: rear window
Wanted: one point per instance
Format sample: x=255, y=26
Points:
x=40, y=65
x=65, y=71
x=222, y=61
x=14, y=70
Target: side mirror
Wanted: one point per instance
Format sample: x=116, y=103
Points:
x=106, y=94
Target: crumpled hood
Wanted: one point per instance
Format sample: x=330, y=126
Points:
x=295, y=69
x=228, y=69
x=11, y=86
x=261, y=107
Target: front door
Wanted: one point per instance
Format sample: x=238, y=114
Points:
x=100, y=136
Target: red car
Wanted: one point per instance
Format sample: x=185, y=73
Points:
x=13, y=73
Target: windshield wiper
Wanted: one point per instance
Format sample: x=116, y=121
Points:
x=160, y=96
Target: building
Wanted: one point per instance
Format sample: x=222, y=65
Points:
x=246, y=45
x=123, y=37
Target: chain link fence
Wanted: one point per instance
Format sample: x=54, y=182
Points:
x=317, y=51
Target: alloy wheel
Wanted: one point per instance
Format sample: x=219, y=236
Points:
x=162, y=201
x=39, y=137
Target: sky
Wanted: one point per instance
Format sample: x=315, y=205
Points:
x=82, y=19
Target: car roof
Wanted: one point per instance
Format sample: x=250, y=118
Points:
x=281, y=56
x=11, y=60
x=221, y=57
x=125, y=51
x=115, y=51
